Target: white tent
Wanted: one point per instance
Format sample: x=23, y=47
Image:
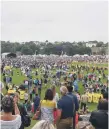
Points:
x=85, y=55
x=65, y=56
x=4, y=55
x=76, y=55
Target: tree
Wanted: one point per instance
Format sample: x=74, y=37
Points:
x=26, y=50
x=103, y=52
x=100, y=44
x=29, y=48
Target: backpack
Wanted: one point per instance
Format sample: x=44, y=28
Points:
x=26, y=121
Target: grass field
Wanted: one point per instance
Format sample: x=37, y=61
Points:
x=19, y=79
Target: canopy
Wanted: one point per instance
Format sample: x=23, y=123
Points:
x=76, y=55
x=12, y=55
x=85, y=55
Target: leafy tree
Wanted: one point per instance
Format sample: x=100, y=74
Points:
x=100, y=44
x=103, y=52
x=26, y=50
x=29, y=48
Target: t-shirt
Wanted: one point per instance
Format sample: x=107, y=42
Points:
x=67, y=106
x=84, y=98
x=40, y=82
x=47, y=108
x=14, y=124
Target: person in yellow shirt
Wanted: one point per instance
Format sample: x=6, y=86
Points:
x=48, y=106
x=95, y=100
x=90, y=97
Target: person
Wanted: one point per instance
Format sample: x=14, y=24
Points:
x=33, y=92
x=36, y=81
x=11, y=72
x=1, y=97
x=30, y=84
x=7, y=120
x=105, y=95
x=31, y=95
x=21, y=108
x=43, y=125
x=84, y=100
x=65, y=109
x=36, y=102
x=4, y=79
x=26, y=96
x=78, y=96
x=28, y=107
x=10, y=79
x=99, y=118
x=55, y=95
x=70, y=89
x=75, y=84
x=55, y=99
x=48, y=106
x=26, y=83
x=39, y=87
x=45, y=81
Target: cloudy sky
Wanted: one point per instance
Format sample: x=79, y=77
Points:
x=54, y=21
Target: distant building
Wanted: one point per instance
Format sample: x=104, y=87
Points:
x=91, y=44
x=99, y=50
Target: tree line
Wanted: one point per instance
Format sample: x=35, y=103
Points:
x=30, y=48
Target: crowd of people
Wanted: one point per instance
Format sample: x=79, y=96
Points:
x=51, y=92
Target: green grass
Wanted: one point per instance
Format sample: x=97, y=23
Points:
x=19, y=79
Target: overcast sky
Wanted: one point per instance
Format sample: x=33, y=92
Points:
x=54, y=21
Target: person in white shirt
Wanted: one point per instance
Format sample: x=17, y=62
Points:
x=7, y=120
x=55, y=95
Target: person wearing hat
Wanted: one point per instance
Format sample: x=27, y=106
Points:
x=65, y=109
